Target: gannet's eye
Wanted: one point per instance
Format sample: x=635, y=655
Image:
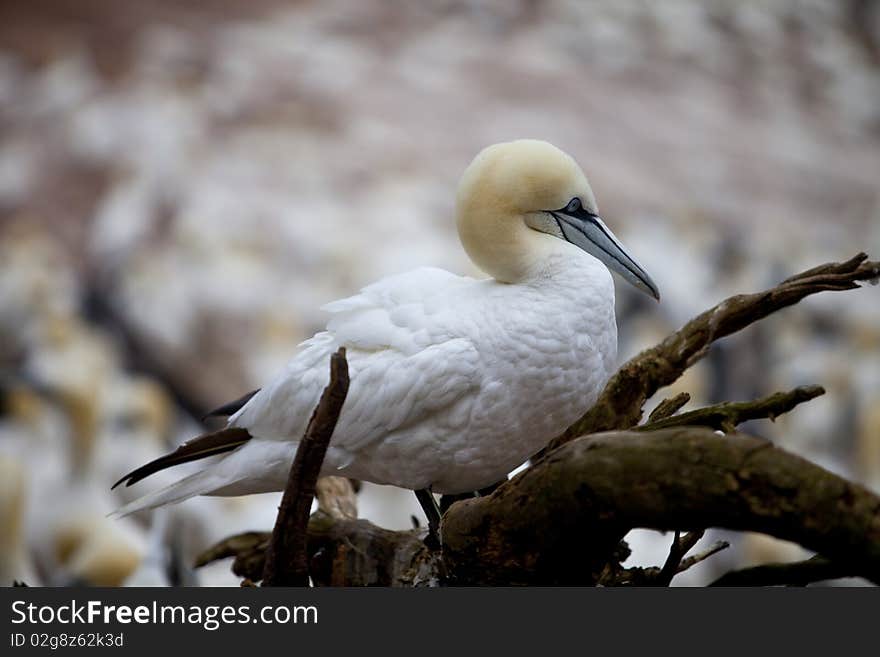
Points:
x=573, y=205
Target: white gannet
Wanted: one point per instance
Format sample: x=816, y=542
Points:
x=455, y=381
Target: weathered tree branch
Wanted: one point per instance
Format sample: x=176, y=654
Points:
x=681, y=545
x=727, y=416
x=556, y=522
x=652, y=576
x=669, y=407
x=342, y=552
x=693, y=560
x=249, y=550
x=799, y=573
x=358, y=553
x=287, y=560
x=620, y=404
x=561, y=521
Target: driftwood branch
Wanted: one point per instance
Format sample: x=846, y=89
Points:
x=287, y=560
x=681, y=545
x=676, y=563
x=669, y=407
x=620, y=404
x=693, y=560
x=248, y=549
x=358, y=553
x=727, y=416
x=561, y=521
x=342, y=552
x=799, y=573
x=556, y=522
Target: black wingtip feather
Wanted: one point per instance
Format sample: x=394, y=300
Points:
x=210, y=444
x=232, y=407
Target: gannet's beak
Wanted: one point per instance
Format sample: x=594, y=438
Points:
x=587, y=231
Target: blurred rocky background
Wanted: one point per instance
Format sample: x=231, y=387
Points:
x=183, y=184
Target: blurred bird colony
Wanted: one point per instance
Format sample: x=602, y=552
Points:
x=183, y=184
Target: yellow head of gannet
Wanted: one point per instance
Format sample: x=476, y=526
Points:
x=517, y=199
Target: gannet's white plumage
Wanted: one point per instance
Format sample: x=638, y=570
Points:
x=455, y=381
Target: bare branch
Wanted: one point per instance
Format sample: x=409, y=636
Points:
x=343, y=553
x=358, y=553
x=614, y=575
x=287, y=561
x=680, y=547
x=558, y=521
x=692, y=561
x=799, y=573
x=728, y=415
x=233, y=546
x=561, y=521
x=830, y=269
x=669, y=407
x=248, y=550
x=620, y=404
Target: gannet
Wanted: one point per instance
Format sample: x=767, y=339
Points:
x=455, y=381
x=15, y=559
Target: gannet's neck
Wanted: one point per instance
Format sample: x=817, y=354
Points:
x=503, y=246
x=554, y=262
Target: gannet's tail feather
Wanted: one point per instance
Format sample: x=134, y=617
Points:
x=209, y=444
x=232, y=407
x=199, y=483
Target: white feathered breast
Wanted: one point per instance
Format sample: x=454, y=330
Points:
x=454, y=381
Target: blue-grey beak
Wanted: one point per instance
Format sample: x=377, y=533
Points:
x=587, y=231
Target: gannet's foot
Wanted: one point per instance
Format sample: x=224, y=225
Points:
x=432, y=513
